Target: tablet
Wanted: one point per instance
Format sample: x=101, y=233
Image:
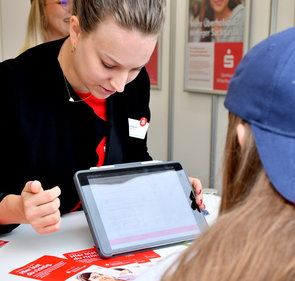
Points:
x=138, y=206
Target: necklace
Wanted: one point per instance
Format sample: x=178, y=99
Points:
x=66, y=82
x=70, y=97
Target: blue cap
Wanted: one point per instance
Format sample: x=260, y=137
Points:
x=262, y=92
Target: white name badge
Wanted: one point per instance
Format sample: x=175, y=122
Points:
x=138, y=128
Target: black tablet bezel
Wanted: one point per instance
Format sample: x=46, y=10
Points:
x=92, y=212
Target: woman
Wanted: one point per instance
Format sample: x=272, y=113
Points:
x=94, y=276
x=253, y=238
x=48, y=20
x=74, y=104
x=222, y=21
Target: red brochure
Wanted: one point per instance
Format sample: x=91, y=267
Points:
x=2, y=243
x=50, y=268
x=90, y=256
x=86, y=256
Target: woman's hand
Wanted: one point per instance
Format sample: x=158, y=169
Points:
x=197, y=186
x=41, y=207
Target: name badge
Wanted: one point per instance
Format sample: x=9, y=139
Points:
x=138, y=128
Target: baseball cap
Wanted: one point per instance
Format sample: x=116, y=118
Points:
x=262, y=92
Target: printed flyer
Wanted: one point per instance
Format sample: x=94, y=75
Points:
x=87, y=265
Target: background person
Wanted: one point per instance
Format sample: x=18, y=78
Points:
x=253, y=238
x=48, y=20
x=222, y=21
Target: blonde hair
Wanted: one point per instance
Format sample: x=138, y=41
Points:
x=253, y=239
x=36, y=26
x=146, y=16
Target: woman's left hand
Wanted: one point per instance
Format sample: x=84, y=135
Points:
x=197, y=186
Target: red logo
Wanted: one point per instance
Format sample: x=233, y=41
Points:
x=227, y=56
x=142, y=121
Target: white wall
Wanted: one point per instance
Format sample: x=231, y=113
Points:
x=158, y=130
x=13, y=19
x=181, y=126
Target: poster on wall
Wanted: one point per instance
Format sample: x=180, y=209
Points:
x=153, y=68
x=216, y=41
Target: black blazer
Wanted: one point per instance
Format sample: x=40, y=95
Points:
x=48, y=138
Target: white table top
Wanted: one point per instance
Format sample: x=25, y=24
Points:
x=25, y=245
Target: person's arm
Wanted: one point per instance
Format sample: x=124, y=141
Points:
x=34, y=206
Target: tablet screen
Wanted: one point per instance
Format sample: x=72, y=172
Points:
x=140, y=207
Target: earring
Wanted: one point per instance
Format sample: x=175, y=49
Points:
x=73, y=48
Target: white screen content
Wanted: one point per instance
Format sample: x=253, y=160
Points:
x=143, y=208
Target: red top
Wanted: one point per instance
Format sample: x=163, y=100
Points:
x=99, y=108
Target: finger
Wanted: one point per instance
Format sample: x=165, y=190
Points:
x=50, y=195
x=38, y=212
x=43, y=197
x=197, y=185
x=200, y=202
x=36, y=187
x=33, y=187
x=47, y=224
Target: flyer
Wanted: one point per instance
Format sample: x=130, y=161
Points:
x=50, y=268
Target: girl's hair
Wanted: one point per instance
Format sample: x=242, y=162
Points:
x=241, y=166
x=208, y=13
x=146, y=16
x=36, y=26
x=254, y=238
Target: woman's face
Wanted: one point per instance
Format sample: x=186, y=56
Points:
x=100, y=277
x=219, y=6
x=58, y=15
x=108, y=58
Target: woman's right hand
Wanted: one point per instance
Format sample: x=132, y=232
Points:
x=41, y=207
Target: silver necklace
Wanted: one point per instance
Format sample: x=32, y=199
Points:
x=70, y=97
x=66, y=83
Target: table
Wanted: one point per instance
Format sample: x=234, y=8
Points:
x=25, y=245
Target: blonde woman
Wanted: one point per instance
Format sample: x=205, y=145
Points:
x=48, y=20
x=68, y=104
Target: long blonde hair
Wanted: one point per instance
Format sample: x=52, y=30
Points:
x=253, y=238
x=36, y=25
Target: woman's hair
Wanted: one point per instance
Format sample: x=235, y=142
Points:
x=194, y=8
x=36, y=26
x=84, y=276
x=208, y=14
x=241, y=166
x=253, y=239
x=146, y=16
